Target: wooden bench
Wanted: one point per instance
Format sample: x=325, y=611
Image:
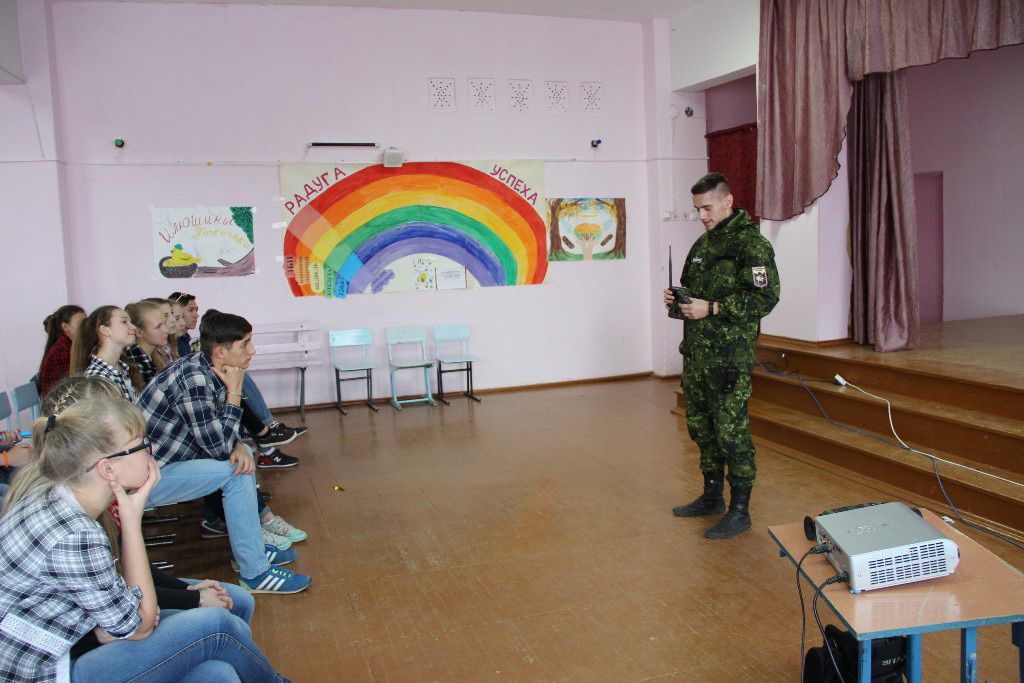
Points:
x=289, y=345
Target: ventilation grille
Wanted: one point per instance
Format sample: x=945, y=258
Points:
x=442, y=94
x=556, y=97
x=520, y=96
x=481, y=95
x=592, y=93
x=920, y=561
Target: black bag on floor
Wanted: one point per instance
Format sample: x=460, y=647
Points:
x=888, y=659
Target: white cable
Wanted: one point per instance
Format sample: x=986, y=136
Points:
x=888, y=409
x=888, y=406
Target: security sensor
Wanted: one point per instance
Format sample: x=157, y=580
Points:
x=393, y=157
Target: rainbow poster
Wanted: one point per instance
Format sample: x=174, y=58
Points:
x=358, y=228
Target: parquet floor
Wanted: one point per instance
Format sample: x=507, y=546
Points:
x=530, y=538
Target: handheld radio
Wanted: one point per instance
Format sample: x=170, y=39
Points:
x=681, y=294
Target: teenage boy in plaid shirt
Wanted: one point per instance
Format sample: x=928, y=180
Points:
x=194, y=419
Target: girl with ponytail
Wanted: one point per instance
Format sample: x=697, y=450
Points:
x=147, y=353
x=61, y=327
x=58, y=580
x=96, y=352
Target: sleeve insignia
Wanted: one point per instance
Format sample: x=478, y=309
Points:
x=760, y=274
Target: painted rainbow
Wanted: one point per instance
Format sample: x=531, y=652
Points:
x=345, y=237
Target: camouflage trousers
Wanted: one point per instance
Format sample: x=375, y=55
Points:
x=718, y=422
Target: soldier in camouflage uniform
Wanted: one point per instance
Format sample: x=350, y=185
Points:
x=733, y=282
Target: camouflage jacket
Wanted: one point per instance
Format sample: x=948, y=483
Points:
x=734, y=265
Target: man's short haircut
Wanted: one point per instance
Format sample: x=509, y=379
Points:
x=218, y=329
x=712, y=181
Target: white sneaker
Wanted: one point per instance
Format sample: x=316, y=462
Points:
x=279, y=542
x=279, y=527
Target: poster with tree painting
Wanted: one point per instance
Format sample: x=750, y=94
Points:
x=586, y=229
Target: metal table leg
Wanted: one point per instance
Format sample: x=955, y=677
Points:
x=865, y=661
x=302, y=393
x=1017, y=638
x=914, y=658
x=969, y=655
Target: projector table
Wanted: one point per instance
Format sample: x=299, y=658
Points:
x=983, y=591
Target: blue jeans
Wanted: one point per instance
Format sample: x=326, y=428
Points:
x=180, y=644
x=191, y=479
x=255, y=401
x=243, y=604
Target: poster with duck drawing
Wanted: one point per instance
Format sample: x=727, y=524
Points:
x=205, y=241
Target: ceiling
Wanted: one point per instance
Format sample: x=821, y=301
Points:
x=617, y=10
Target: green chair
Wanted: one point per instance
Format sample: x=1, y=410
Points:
x=409, y=335
x=355, y=339
x=454, y=334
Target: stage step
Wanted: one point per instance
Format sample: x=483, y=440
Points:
x=811, y=439
x=924, y=424
x=924, y=382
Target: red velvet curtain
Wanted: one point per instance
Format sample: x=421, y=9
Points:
x=733, y=151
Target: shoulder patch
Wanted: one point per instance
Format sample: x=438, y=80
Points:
x=760, y=274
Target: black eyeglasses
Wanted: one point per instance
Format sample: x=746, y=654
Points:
x=146, y=445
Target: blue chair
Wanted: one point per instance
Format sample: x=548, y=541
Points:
x=355, y=339
x=411, y=335
x=5, y=409
x=25, y=397
x=454, y=334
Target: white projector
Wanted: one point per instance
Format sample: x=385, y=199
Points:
x=885, y=545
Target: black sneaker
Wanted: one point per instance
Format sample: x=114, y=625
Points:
x=299, y=431
x=275, y=459
x=217, y=528
x=278, y=435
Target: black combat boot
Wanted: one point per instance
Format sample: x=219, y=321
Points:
x=711, y=502
x=737, y=519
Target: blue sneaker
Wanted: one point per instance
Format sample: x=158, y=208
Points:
x=275, y=556
x=276, y=580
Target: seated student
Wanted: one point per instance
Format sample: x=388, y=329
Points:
x=151, y=325
x=58, y=579
x=165, y=308
x=101, y=339
x=276, y=433
x=192, y=409
x=61, y=327
x=171, y=593
x=16, y=453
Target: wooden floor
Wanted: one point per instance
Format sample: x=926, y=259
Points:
x=530, y=538
x=987, y=350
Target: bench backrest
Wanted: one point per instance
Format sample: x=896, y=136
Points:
x=287, y=345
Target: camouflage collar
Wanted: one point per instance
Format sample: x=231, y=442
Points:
x=738, y=218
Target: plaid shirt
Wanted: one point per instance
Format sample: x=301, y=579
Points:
x=56, y=364
x=186, y=412
x=145, y=364
x=119, y=376
x=57, y=582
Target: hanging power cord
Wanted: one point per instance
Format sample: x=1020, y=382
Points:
x=817, y=618
x=819, y=549
x=785, y=372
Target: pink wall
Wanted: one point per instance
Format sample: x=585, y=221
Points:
x=31, y=227
x=210, y=98
x=731, y=104
x=966, y=118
